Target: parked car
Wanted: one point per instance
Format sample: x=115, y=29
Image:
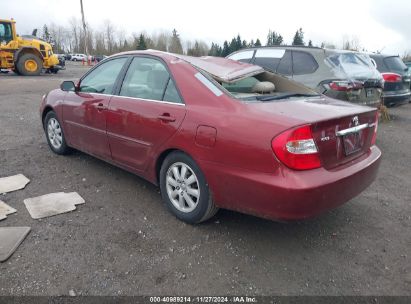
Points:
x=68, y=56
x=217, y=133
x=62, y=60
x=78, y=57
x=344, y=75
x=397, y=79
x=100, y=57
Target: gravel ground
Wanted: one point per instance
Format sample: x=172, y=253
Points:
x=124, y=242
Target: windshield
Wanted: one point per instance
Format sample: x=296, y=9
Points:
x=352, y=66
x=395, y=63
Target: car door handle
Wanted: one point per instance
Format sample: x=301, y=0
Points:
x=166, y=118
x=101, y=107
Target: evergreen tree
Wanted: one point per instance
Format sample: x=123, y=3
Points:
x=215, y=50
x=274, y=39
x=310, y=43
x=141, y=44
x=299, y=37
x=233, y=45
x=238, y=43
x=125, y=45
x=175, y=44
x=226, y=49
x=212, y=50
x=251, y=44
x=257, y=42
x=46, y=33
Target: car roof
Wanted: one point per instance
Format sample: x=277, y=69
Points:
x=222, y=69
x=382, y=55
x=311, y=49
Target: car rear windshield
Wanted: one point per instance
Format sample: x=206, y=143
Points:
x=353, y=66
x=395, y=63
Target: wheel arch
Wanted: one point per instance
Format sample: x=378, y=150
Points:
x=28, y=50
x=46, y=110
x=160, y=159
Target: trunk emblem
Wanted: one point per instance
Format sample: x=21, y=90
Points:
x=355, y=120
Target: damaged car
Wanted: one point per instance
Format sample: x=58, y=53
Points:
x=345, y=75
x=217, y=133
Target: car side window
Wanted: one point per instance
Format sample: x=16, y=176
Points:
x=285, y=66
x=148, y=78
x=269, y=58
x=244, y=56
x=268, y=63
x=171, y=93
x=303, y=63
x=103, y=78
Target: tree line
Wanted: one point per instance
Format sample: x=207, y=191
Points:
x=108, y=39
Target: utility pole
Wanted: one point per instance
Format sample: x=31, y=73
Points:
x=85, y=30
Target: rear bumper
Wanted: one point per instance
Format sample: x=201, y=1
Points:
x=288, y=194
x=394, y=99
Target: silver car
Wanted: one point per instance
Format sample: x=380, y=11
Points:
x=344, y=75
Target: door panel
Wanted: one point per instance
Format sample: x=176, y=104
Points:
x=147, y=113
x=137, y=127
x=84, y=116
x=85, y=111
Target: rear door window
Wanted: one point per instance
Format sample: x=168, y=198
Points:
x=269, y=58
x=243, y=56
x=285, y=66
x=303, y=63
x=148, y=78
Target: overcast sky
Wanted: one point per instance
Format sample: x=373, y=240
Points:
x=378, y=24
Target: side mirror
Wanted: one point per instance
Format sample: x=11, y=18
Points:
x=68, y=86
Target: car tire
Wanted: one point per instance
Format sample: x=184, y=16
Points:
x=55, y=135
x=184, y=189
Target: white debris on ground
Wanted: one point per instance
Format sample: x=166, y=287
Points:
x=5, y=210
x=10, y=240
x=52, y=204
x=13, y=183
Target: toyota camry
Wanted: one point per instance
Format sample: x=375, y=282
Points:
x=216, y=133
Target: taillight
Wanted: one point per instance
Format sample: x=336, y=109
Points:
x=374, y=136
x=345, y=85
x=391, y=77
x=296, y=149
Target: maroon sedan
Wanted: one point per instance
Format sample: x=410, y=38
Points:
x=216, y=133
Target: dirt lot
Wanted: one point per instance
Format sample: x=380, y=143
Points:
x=124, y=242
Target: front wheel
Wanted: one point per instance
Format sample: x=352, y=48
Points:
x=29, y=65
x=54, y=134
x=184, y=189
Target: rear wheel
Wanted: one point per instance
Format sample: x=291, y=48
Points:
x=29, y=65
x=184, y=189
x=54, y=134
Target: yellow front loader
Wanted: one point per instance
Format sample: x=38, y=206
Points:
x=26, y=55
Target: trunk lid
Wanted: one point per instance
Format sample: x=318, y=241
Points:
x=222, y=69
x=342, y=139
x=329, y=118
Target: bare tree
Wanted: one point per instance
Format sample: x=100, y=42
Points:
x=84, y=28
x=75, y=30
x=109, y=32
x=351, y=43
